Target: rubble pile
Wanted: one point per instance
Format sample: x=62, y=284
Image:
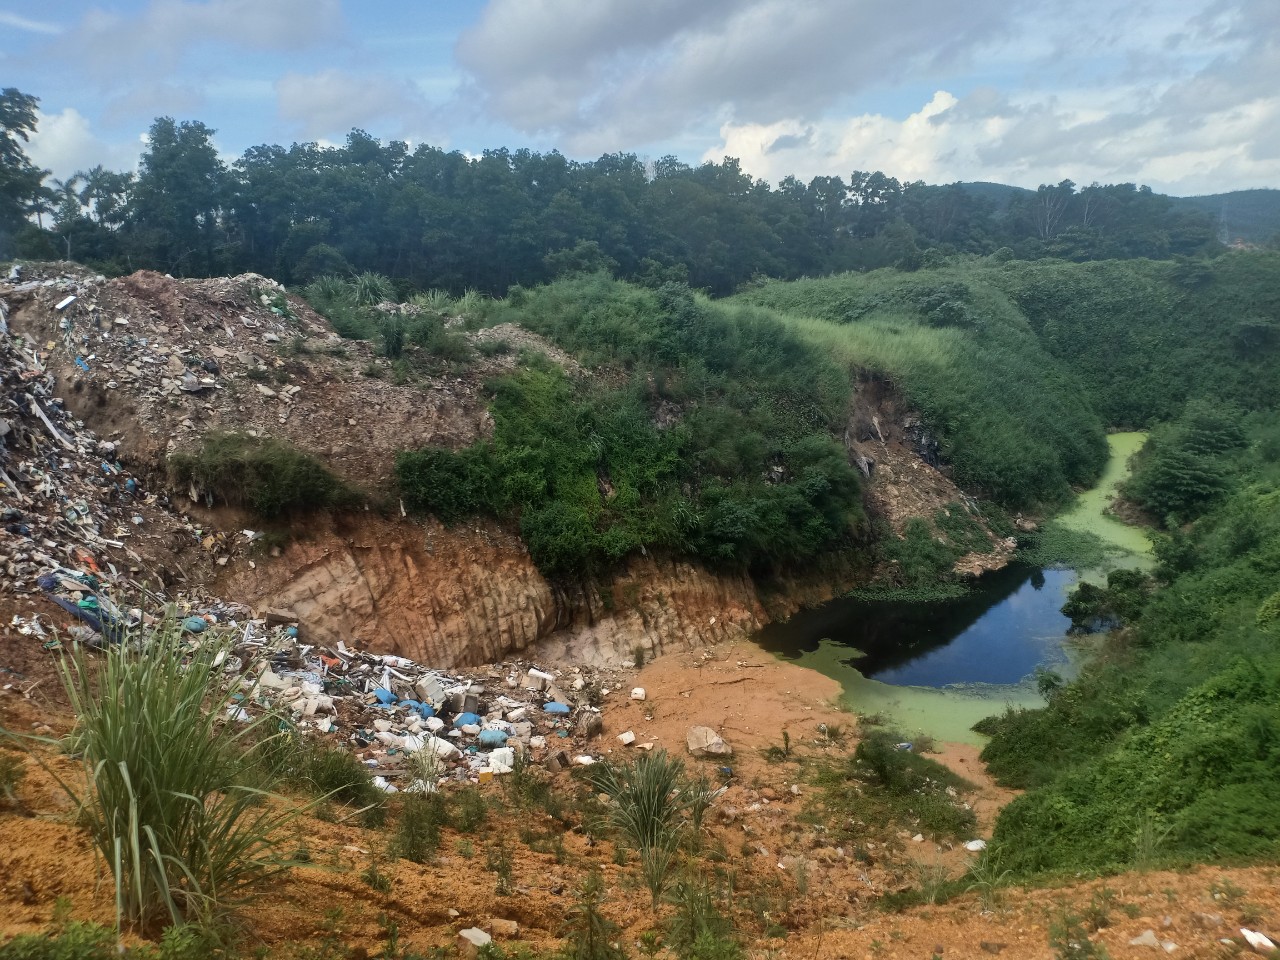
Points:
x=389, y=709
x=83, y=534
x=177, y=359
x=385, y=708
x=67, y=500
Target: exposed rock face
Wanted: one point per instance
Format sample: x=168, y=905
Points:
x=471, y=595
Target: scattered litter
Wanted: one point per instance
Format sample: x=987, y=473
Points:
x=1259, y=941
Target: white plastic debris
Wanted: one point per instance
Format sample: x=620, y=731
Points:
x=637, y=693
x=976, y=846
x=1259, y=941
x=627, y=739
x=502, y=760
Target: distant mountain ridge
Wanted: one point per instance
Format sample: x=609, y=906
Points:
x=1250, y=216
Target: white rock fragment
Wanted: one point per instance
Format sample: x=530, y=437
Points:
x=705, y=742
x=471, y=940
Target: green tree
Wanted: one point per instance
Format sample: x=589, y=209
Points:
x=21, y=190
x=177, y=206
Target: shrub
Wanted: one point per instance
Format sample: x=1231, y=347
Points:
x=590, y=932
x=267, y=476
x=174, y=804
x=418, y=826
x=747, y=475
x=11, y=773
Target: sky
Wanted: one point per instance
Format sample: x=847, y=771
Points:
x=1181, y=95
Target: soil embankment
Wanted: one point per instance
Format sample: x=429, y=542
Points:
x=152, y=365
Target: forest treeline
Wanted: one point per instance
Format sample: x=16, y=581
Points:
x=430, y=218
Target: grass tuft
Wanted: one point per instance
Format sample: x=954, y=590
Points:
x=175, y=800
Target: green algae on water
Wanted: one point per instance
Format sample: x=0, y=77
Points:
x=945, y=713
x=1085, y=537
x=1090, y=513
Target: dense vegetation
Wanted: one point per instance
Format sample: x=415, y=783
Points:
x=1014, y=423
x=707, y=431
x=430, y=218
x=1145, y=336
x=1168, y=748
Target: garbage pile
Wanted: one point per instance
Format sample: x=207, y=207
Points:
x=403, y=719
x=187, y=357
x=82, y=532
x=415, y=726
x=67, y=501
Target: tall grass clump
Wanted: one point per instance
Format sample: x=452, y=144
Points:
x=648, y=798
x=175, y=796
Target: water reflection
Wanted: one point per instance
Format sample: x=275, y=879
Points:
x=998, y=633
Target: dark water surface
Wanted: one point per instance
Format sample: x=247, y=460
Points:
x=1006, y=626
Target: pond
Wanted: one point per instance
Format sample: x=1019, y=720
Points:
x=937, y=668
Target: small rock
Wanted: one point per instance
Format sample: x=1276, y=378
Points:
x=627, y=739
x=1260, y=942
x=1146, y=939
x=471, y=940
x=918, y=838
x=507, y=929
x=705, y=742
x=637, y=693
x=990, y=947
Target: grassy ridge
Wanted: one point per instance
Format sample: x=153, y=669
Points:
x=1014, y=423
x=708, y=432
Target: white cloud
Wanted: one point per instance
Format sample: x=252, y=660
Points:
x=64, y=142
x=19, y=22
x=617, y=71
x=119, y=49
x=987, y=137
x=1175, y=92
x=333, y=101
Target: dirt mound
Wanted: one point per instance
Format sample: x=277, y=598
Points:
x=156, y=363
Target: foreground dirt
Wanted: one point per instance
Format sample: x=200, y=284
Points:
x=790, y=892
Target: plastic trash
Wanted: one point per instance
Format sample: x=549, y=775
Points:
x=385, y=696
x=493, y=738
x=556, y=707
x=466, y=719
x=502, y=760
